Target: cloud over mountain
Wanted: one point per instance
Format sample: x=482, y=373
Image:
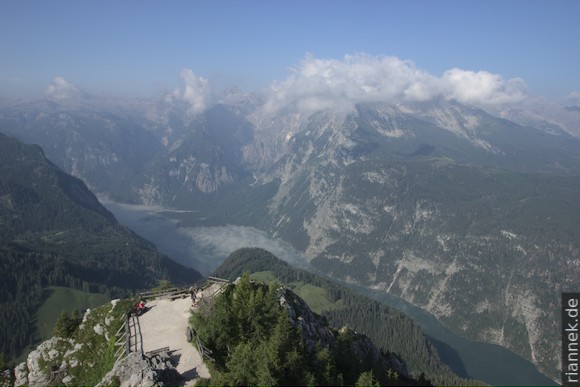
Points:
x=61, y=90
x=196, y=91
x=338, y=84
x=317, y=84
x=573, y=99
x=481, y=88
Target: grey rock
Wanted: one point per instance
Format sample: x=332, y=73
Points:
x=98, y=329
x=139, y=370
x=311, y=325
x=35, y=375
x=52, y=354
x=21, y=375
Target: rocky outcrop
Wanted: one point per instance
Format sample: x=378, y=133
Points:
x=315, y=331
x=139, y=370
x=314, y=328
x=75, y=361
x=34, y=371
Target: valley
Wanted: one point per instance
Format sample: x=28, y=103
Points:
x=467, y=358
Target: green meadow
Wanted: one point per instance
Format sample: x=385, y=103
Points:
x=316, y=297
x=60, y=299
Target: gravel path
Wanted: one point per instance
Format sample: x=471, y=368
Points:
x=164, y=325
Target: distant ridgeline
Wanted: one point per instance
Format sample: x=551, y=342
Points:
x=390, y=330
x=54, y=231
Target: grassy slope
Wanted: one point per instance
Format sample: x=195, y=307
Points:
x=60, y=299
x=316, y=297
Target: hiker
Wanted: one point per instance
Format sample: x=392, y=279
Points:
x=140, y=308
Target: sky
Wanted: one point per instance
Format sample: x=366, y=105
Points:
x=144, y=48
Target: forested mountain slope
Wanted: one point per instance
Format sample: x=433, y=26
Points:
x=54, y=231
x=267, y=335
x=389, y=329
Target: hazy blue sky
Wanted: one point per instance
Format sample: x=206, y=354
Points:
x=141, y=47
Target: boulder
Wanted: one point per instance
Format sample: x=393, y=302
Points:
x=21, y=375
x=137, y=369
x=34, y=372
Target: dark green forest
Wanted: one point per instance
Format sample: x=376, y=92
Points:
x=254, y=342
x=392, y=331
x=54, y=232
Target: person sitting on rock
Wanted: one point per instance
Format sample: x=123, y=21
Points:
x=141, y=307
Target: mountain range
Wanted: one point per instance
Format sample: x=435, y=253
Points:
x=470, y=214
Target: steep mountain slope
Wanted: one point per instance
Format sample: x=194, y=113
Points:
x=206, y=157
x=389, y=201
x=54, y=231
x=103, y=146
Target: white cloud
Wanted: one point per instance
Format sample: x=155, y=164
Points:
x=196, y=91
x=61, y=90
x=482, y=88
x=317, y=84
x=338, y=84
x=573, y=98
x=212, y=245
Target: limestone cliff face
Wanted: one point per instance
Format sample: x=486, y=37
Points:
x=32, y=372
x=314, y=328
x=436, y=204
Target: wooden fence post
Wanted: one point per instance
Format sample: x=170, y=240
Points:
x=128, y=333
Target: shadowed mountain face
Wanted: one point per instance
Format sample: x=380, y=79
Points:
x=470, y=216
x=54, y=231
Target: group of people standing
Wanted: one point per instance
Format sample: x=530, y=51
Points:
x=196, y=296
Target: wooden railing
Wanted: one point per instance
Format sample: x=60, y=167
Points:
x=204, y=351
x=129, y=336
x=183, y=291
x=122, y=343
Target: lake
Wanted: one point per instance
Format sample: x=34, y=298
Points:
x=205, y=248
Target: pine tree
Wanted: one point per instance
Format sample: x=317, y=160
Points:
x=367, y=379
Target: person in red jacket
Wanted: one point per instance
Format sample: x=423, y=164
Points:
x=140, y=308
